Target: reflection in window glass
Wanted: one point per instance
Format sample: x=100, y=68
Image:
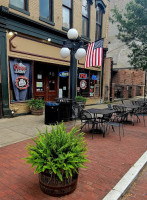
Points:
x=18, y=3
x=46, y=9
x=67, y=3
x=85, y=18
x=66, y=13
x=99, y=16
x=84, y=26
x=52, y=85
x=66, y=18
x=84, y=8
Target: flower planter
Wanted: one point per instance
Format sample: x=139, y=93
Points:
x=51, y=185
x=37, y=112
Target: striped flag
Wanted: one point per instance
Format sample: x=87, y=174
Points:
x=94, y=55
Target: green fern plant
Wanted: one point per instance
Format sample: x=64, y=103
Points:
x=58, y=151
x=36, y=103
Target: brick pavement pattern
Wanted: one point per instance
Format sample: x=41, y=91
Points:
x=109, y=157
x=138, y=190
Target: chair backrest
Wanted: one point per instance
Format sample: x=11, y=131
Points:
x=76, y=110
x=85, y=115
x=119, y=109
x=109, y=107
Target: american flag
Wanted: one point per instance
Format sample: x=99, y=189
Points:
x=94, y=55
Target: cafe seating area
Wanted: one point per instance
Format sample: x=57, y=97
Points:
x=115, y=117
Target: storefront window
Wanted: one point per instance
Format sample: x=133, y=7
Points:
x=94, y=84
x=63, y=82
x=21, y=80
x=83, y=83
x=88, y=83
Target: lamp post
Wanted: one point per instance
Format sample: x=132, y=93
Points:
x=73, y=47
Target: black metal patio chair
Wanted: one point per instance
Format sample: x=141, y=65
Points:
x=141, y=111
x=76, y=111
x=88, y=119
x=116, y=121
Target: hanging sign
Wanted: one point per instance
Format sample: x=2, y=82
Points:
x=82, y=76
x=22, y=82
x=83, y=84
x=64, y=74
x=19, y=68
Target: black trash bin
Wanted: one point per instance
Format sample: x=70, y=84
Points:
x=51, y=113
x=65, y=109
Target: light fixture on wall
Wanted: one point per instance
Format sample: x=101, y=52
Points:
x=49, y=39
x=11, y=33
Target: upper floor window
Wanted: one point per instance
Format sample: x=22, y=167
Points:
x=46, y=9
x=22, y=4
x=67, y=13
x=85, y=17
x=99, y=19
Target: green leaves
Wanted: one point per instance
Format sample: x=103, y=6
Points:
x=36, y=103
x=58, y=152
x=132, y=27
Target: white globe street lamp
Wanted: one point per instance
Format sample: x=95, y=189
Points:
x=72, y=34
x=73, y=47
x=80, y=53
x=65, y=52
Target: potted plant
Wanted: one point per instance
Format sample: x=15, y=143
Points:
x=36, y=106
x=80, y=99
x=57, y=156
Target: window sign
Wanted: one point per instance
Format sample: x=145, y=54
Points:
x=94, y=77
x=39, y=84
x=82, y=76
x=22, y=82
x=64, y=88
x=39, y=76
x=19, y=68
x=60, y=93
x=64, y=74
x=83, y=84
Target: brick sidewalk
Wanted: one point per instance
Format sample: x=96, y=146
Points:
x=110, y=160
x=138, y=190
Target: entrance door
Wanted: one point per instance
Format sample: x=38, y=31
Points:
x=45, y=81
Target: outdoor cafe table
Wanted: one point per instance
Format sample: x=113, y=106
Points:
x=101, y=112
x=130, y=108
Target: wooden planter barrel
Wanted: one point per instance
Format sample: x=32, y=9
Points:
x=37, y=112
x=51, y=185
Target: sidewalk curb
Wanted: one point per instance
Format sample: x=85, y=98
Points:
x=121, y=187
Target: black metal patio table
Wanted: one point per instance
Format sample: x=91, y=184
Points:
x=102, y=112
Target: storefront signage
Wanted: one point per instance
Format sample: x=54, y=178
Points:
x=83, y=84
x=64, y=74
x=19, y=68
x=22, y=82
x=82, y=76
x=94, y=77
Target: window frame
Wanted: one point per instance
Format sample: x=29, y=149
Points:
x=71, y=16
x=88, y=22
x=51, y=14
x=22, y=10
x=99, y=24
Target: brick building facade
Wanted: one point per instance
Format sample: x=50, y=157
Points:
x=128, y=83
x=33, y=39
x=125, y=81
